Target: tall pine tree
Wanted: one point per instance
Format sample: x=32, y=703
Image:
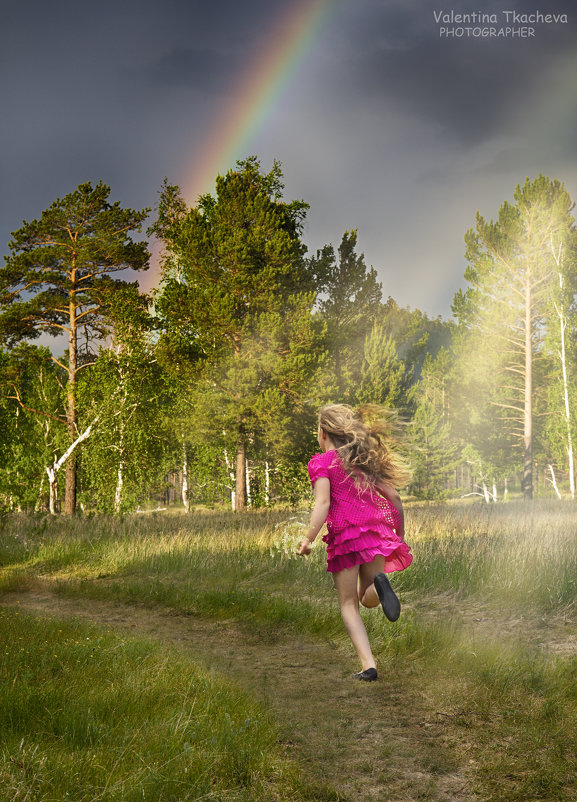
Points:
x=57, y=280
x=230, y=260
x=503, y=313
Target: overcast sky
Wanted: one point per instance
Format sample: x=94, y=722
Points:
x=383, y=124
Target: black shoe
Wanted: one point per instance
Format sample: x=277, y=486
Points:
x=391, y=605
x=369, y=675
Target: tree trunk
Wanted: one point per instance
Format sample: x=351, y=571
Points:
x=120, y=472
x=528, y=405
x=266, y=484
x=53, y=471
x=553, y=481
x=119, y=486
x=240, y=477
x=184, y=487
x=247, y=477
x=70, y=488
x=562, y=326
x=53, y=488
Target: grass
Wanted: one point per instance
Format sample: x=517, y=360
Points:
x=90, y=716
x=498, y=693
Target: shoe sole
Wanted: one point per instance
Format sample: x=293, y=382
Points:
x=389, y=601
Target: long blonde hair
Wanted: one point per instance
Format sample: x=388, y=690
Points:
x=366, y=440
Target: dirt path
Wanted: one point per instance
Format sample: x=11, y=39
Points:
x=368, y=741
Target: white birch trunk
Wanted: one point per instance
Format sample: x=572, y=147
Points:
x=53, y=489
x=119, y=486
x=184, y=488
x=266, y=483
x=53, y=471
x=553, y=481
x=562, y=326
x=486, y=495
x=119, y=473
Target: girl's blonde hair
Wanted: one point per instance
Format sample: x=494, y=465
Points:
x=366, y=439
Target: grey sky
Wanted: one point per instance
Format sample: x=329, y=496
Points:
x=383, y=125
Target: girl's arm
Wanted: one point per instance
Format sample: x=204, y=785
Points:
x=389, y=492
x=322, y=490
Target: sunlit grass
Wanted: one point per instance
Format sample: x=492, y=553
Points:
x=506, y=700
x=516, y=554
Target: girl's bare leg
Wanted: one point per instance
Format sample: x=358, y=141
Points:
x=346, y=584
x=367, y=593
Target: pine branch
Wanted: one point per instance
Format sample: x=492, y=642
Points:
x=31, y=409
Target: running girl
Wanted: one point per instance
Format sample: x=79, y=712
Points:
x=353, y=480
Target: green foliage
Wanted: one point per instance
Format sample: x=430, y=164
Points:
x=434, y=455
x=64, y=257
x=248, y=337
x=348, y=304
x=230, y=258
x=383, y=376
x=123, y=457
x=33, y=424
x=235, y=306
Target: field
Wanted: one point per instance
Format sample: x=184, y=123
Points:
x=164, y=657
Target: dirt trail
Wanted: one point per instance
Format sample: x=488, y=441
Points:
x=368, y=741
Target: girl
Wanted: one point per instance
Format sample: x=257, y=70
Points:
x=353, y=485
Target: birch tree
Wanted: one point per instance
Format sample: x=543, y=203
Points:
x=561, y=342
x=127, y=391
x=32, y=425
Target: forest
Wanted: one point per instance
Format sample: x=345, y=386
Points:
x=204, y=392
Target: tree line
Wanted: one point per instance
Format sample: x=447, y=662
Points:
x=212, y=381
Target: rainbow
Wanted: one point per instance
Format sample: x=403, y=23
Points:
x=258, y=90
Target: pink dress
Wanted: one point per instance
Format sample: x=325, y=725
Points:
x=361, y=524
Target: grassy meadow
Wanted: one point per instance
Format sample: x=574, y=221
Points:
x=486, y=647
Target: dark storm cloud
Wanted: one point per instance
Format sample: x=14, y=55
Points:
x=463, y=85
x=380, y=124
x=200, y=69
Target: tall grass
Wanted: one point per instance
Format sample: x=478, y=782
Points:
x=516, y=556
x=519, y=556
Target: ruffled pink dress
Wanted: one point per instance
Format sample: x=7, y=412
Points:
x=361, y=524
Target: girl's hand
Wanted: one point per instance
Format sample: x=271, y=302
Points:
x=305, y=547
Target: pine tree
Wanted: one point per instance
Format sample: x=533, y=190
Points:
x=58, y=280
x=349, y=303
x=435, y=450
x=383, y=377
x=231, y=261
x=503, y=313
